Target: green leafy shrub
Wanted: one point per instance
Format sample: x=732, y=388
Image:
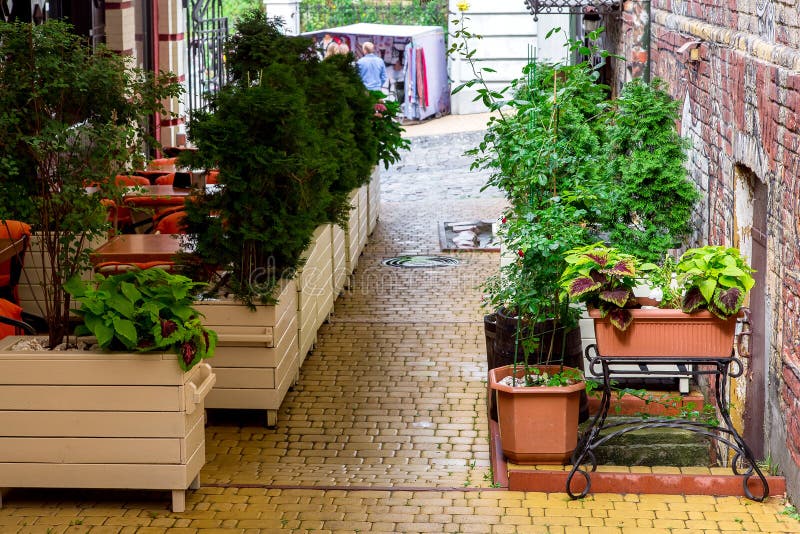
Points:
x=144, y=310
x=292, y=135
x=650, y=195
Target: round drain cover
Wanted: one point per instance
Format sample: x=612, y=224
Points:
x=421, y=261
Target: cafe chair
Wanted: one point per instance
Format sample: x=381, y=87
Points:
x=14, y=239
x=170, y=222
x=162, y=162
x=124, y=180
x=11, y=320
x=166, y=179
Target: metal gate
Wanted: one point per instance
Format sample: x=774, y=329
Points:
x=206, y=31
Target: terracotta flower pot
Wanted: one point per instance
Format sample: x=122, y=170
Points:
x=538, y=425
x=657, y=332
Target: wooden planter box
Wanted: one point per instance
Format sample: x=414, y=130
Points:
x=352, y=242
x=666, y=333
x=257, y=357
x=339, y=259
x=538, y=425
x=315, y=288
x=101, y=420
x=31, y=293
x=363, y=217
x=373, y=200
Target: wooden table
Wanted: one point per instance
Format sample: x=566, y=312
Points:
x=157, y=196
x=138, y=248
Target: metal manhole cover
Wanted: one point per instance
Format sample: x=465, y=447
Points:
x=421, y=261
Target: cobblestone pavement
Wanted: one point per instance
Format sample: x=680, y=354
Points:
x=386, y=429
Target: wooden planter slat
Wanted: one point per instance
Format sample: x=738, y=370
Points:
x=374, y=199
x=339, y=259
x=100, y=475
x=99, y=432
x=88, y=424
x=70, y=398
x=363, y=217
x=246, y=377
x=351, y=236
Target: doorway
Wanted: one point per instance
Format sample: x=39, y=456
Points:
x=754, y=238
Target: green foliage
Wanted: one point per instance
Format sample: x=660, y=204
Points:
x=234, y=9
x=292, y=135
x=387, y=130
x=663, y=281
x=321, y=14
x=71, y=116
x=650, y=197
x=543, y=157
x=715, y=278
x=144, y=310
x=791, y=511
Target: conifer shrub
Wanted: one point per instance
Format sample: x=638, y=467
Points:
x=291, y=135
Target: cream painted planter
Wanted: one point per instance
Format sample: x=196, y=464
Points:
x=338, y=259
x=31, y=293
x=101, y=420
x=257, y=357
x=373, y=200
x=352, y=242
x=363, y=217
x=315, y=288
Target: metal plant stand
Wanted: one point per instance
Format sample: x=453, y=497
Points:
x=743, y=463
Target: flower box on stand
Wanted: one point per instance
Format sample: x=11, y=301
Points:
x=657, y=332
x=83, y=419
x=257, y=357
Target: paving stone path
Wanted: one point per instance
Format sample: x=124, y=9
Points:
x=385, y=430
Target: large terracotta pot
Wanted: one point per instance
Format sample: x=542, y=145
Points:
x=538, y=425
x=658, y=332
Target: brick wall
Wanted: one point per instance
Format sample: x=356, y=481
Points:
x=121, y=34
x=740, y=109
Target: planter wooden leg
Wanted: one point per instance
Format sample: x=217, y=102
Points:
x=272, y=418
x=178, y=501
x=195, y=485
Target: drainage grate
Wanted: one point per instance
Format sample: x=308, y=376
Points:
x=421, y=261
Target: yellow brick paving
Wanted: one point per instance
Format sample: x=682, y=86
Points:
x=385, y=430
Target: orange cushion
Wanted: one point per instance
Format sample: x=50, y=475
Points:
x=12, y=311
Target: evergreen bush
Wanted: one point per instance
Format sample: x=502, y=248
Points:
x=291, y=135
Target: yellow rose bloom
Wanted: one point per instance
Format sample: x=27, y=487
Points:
x=462, y=6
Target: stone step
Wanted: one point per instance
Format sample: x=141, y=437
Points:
x=653, y=446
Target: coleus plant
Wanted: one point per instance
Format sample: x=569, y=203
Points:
x=602, y=277
x=715, y=278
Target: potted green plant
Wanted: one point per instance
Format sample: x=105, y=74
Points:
x=713, y=282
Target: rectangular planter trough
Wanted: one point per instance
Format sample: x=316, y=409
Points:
x=79, y=419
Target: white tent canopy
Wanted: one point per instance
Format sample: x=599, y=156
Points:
x=422, y=85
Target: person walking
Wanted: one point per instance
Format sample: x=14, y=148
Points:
x=371, y=68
